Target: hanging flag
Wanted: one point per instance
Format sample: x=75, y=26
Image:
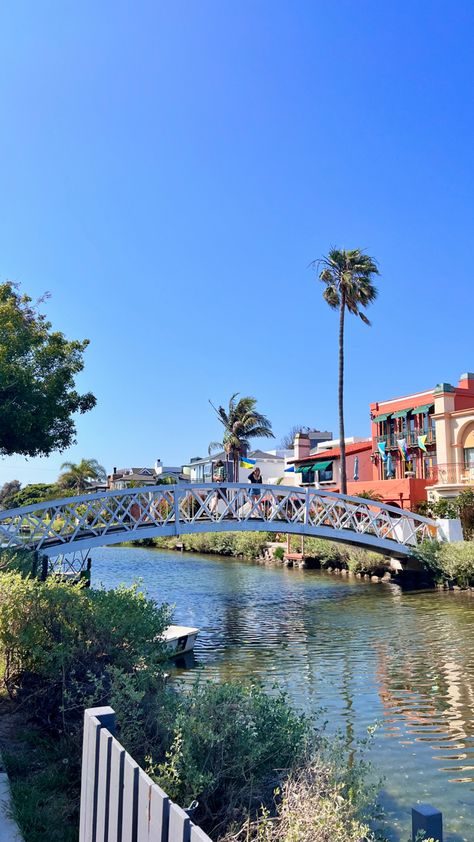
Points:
x=356, y=469
x=389, y=468
x=422, y=442
x=247, y=463
x=402, y=446
x=381, y=446
x=290, y=469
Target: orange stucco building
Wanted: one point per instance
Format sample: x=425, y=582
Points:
x=421, y=447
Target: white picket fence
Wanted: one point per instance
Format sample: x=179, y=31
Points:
x=119, y=802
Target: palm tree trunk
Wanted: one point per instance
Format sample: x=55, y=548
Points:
x=236, y=465
x=342, y=443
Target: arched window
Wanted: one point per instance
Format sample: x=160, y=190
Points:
x=469, y=449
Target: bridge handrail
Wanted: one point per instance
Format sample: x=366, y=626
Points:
x=146, y=489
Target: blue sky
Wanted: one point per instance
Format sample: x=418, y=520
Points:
x=168, y=170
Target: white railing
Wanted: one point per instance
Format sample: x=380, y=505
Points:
x=76, y=524
x=119, y=801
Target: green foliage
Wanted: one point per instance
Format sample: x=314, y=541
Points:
x=231, y=746
x=18, y=561
x=328, y=553
x=58, y=641
x=241, y=422
x=279, y=553
x=7, y=493
x=37, y=492
x=461, y=506
x=370, y=495
x=38, y=367
x=452, y=563
x=246, y=544
x=78, y=476
x=363, y=561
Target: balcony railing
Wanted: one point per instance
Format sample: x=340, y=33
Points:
x=411, y=437
x=451, y=474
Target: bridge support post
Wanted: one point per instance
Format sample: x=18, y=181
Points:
x=426, y=820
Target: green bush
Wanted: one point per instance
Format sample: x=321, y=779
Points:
x=363, y=561
x=452, y=563
x=327, y=552
x=231, y=746
x=279, y=553
x=57, y=642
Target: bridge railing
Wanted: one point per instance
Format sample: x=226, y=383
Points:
x=118, y=515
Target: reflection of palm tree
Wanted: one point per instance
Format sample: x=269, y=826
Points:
x=348, y=278
x=241, y=422
x=78, y=476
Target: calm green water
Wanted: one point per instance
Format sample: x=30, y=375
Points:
x=366, y=653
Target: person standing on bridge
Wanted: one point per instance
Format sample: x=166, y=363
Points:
x=219, y=475
x=255, y=478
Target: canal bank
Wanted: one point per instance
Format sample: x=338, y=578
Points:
x=366, y=654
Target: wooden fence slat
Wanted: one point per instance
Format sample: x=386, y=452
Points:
x=117, y=762
x=88, y=778
x=159, y=815
x=103, y=786
x=130, y=800
x=144, y=797
x=198, y=835
x=179, y=824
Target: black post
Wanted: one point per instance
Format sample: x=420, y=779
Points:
x=426, y=820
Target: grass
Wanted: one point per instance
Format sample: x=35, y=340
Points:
x=44, y=792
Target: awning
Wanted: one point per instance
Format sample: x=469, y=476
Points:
x=402, y=413
x=322, y=466
x=421, y=409
x=380, y=418
x=303, y=469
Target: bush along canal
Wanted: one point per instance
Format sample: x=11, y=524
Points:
x=369, y=655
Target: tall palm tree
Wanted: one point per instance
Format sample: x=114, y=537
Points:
x=348, y=276
x=78, y=476
x=241, y=422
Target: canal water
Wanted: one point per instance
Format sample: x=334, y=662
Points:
x=366, y=653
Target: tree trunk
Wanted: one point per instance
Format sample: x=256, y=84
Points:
x=236, y=465
x=342, y=442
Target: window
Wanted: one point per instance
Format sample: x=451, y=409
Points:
x=469, y=457
x=325, y=476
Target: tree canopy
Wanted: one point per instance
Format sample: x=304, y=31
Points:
x=241, y=422
x=78, y=476
x=38, y=367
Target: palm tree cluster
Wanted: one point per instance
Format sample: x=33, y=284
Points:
x=78, y=476
x=348, y=276
x=241, y=422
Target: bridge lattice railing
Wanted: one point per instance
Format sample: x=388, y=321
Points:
x=130, y=512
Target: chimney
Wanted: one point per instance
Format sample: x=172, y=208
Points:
x=115, y=470
x=301, y=446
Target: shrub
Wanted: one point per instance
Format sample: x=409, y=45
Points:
x=57, y=642
x=363, y=561
x=327, y=552
x=279, y=553
x=452, y=563
x=231, y=746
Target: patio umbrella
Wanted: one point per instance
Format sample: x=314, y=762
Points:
x=389, y=467
x=356, y=469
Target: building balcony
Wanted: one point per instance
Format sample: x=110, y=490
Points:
x=411, y=437
x=452, y=474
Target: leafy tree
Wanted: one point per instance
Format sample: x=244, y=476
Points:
x=35, y=493
x=348, y=276
x=78, y=476
x=7, y=492
x=241, y=422
x=37, y=372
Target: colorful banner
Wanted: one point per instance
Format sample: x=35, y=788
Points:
x=381, y=446
x=422, y=443
x=247, y=463
x=402, y=446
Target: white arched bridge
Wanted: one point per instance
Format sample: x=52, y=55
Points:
x=66, y=530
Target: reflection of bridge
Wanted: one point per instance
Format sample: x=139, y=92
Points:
x=74, y=525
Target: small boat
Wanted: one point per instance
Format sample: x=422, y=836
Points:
x=179, y=639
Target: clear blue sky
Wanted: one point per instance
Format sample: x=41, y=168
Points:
x=168, y=170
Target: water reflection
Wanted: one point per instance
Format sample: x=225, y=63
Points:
x=364, y=652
